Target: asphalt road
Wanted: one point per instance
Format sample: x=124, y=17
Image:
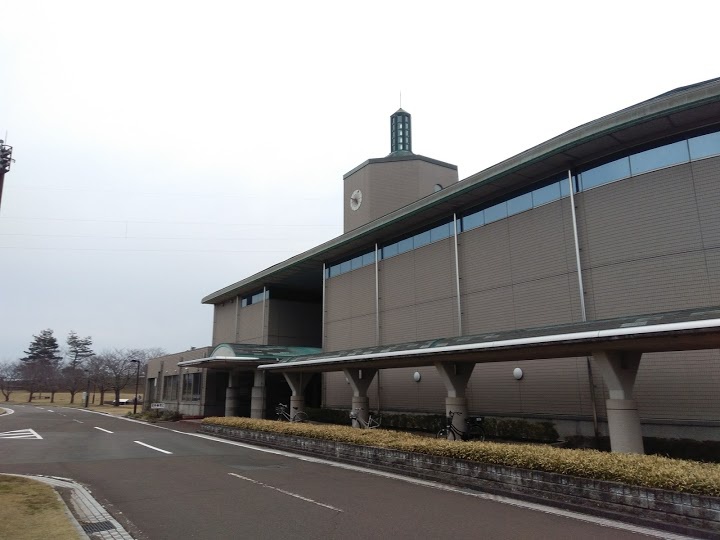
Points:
x=165, y=484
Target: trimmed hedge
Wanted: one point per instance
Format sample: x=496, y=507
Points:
x=509, y=429
x=633, y=469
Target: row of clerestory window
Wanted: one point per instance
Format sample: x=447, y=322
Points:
x=558, y=187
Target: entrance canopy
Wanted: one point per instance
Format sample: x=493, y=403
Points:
x=247, y=356
x=671, y=331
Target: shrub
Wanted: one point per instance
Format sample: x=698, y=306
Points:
x=634, y=469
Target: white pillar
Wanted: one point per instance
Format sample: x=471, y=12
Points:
x=455, y=376
x=232, y=395
x=297, y=382
x=257, y=397
x=619, y=369
x=360, y=380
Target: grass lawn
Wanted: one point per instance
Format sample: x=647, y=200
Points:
x=31, y=510
x=62, y=399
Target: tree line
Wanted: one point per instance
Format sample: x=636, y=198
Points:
x=46, y=367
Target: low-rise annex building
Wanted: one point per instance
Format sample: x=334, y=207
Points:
x=578, y=235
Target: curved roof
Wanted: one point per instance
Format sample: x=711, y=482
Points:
x=681, y=110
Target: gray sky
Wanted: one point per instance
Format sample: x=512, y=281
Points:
x=167, y=149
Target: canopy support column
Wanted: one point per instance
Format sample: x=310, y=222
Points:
x=360, y=380
x=257, y=397
x=297, y=382
x=456, y=376
x=619, y=370
x=232, y=394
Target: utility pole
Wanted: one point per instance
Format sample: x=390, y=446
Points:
x=5, y=161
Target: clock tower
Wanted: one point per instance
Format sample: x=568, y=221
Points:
x=380, y=186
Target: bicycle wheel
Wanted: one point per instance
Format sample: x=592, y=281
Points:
x=476, y=432
x=300, y=416
x=443, y=434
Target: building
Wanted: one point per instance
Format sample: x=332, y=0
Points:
x=574, y=282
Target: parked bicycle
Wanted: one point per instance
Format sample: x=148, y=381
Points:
x=473, y=429
x=282, y=414
x=372, y=421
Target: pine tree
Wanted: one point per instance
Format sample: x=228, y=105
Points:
x=42, y=362
x=44, y=351
x=78, y=350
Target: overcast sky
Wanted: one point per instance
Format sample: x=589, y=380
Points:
x=168, y=149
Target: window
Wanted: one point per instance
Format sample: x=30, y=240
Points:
x=657, y=158
x=704, y=145
x=604, y=174
x=191, y=386
x=471, y=221
x=519, y=204
x=170, y=388
x=498, y=211
x=546, y=194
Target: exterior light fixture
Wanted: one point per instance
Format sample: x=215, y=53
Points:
x=417, y=376
x=518, y=373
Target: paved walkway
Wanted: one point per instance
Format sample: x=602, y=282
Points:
x=88, y=515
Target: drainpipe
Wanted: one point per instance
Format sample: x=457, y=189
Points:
x=583, y=313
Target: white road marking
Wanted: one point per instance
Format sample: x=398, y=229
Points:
x=286, y=492
x=50, y=410
x=9, y=411
x=603, y=522
x=154, y=448
x=20, y=434
x=101, y=429
x=78, y=421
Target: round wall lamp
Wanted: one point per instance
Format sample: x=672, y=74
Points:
x=417, y=376
x=518, y=373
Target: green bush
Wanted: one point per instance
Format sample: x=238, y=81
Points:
x=153, y=416
x=634, y=469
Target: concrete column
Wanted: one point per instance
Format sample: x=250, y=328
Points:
x=232, y=395
x=619, y=370
x=360, y=380
x=257, y=397
x=297, y=382
x=455, y=376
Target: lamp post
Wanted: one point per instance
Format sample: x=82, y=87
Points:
x=137, y=380
x=87, y=391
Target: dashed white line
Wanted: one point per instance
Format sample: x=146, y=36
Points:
x=306, y=499
x=153, y=447
x=102, y=429
x=78, y=421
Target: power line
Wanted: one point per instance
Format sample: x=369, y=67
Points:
x=80, y=220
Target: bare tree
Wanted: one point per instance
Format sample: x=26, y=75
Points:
x=9, y=378
x=120, y=370
x=97, y=373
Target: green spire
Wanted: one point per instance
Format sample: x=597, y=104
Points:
x=400, y=132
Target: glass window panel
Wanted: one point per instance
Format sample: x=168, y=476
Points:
x=405, y=245
x=493, y=213
x=440, y=232
x=597, y=176
x=344, y=267
x=422, y=239
x=546, y=194
x=704, y=145
x=368, y=258
x=390, y=251
x=335, y=270
x=476, y=219
x=657, y=158
x=244, y=302
x=519, y=204
x=356, y=263
x=565, y=187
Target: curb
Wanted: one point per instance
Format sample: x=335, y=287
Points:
x=91, y=520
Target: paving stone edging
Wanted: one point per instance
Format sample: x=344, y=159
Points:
x=682, y=513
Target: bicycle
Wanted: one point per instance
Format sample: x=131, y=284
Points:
x=371, y=423
x=282, y=414
x=473, y=424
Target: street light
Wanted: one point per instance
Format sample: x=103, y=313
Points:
x=137, y=380
x=87, y=392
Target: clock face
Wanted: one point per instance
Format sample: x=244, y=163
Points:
x=356, y=199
